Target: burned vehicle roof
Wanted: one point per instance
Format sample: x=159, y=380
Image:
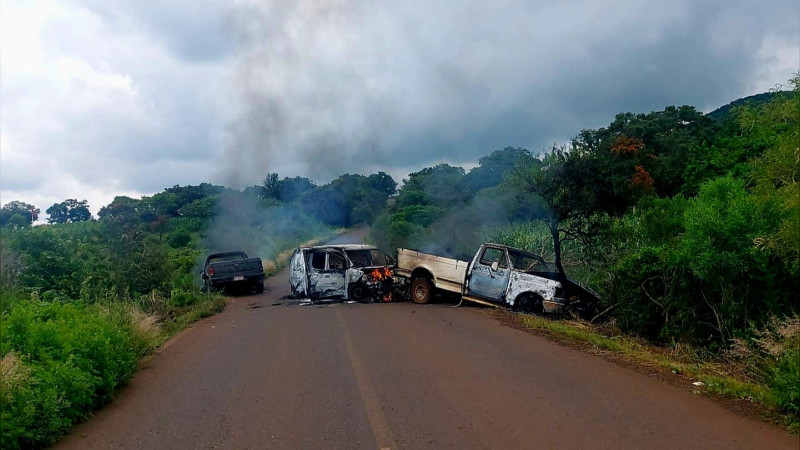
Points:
x=361, y=255
x=344, y=247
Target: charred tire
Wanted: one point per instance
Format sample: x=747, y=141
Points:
x=421, y=291
x=259, y=286
x=530, y=304
x=358, y=292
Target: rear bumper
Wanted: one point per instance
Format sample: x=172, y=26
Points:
x=248, y=278
x=555, y=305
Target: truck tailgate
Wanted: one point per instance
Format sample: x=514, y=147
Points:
x=236, y=267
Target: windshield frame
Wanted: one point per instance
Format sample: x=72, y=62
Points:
x=542, y=267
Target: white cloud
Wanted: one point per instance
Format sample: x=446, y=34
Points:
x=95, y=105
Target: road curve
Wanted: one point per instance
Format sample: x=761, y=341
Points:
x=396, y=375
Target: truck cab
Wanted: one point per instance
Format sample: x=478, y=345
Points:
x=502, y=274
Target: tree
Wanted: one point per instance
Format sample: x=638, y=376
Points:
x=294, y=188
x=493, y=169
x=27, y=214
x=203, y=208
x=70, y=210
x=567, y=183
x=441, y=185
x=382, y=182
x=271, y=187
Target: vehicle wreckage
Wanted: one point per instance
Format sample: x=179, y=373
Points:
x=348, y=272
x=498, y=275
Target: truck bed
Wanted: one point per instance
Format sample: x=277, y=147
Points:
x=448, y=273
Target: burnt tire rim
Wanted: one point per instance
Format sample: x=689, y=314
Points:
x=421, y=292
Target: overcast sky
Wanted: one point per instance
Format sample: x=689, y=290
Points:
x=102, y=98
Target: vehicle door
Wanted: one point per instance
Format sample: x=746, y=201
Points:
x=490, y=273
x=298, y=276
x=326, y=274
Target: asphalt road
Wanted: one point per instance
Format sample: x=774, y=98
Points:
x=397, y=376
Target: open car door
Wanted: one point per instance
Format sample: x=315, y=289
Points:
x=326, y=273
x=298, y=274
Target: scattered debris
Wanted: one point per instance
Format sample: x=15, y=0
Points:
x=277, y=303
x=255, y=305
x=699, y=383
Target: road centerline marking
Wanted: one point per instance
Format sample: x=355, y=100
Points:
x=377, y=421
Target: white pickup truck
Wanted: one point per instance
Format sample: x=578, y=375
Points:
x=497, y=275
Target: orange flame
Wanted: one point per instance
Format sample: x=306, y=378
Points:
x=382, y=273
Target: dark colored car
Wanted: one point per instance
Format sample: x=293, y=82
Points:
x=232, y=270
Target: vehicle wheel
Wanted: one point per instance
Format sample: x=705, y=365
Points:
x=259, y=287
x=358, y=292
x=530, y=304
x=421, y=291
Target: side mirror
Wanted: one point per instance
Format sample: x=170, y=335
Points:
x=495, y=266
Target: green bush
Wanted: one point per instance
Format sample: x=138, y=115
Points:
x=181, y=298
x=785, y=382
x=179, y=239
x=65, y=360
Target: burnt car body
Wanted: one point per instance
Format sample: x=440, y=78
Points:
x=349, y=271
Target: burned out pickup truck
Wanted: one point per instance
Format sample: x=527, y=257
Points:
x=348, y=272
x=497, y=275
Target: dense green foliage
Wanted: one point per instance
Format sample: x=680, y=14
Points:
x=70, y=210
x=61, y=361
x=345, y=201
x=18, y=214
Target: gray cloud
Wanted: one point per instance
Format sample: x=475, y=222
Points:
x=103, y=98
x=333, y=87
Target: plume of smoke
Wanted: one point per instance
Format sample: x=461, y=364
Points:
x=244, y=222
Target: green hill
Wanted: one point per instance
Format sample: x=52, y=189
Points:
x=752, y=100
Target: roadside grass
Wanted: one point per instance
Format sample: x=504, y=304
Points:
x=719, y=375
